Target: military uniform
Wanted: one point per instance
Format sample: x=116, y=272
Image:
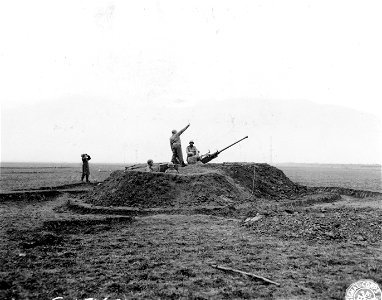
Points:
x=192, y=154
x=149, y=169
x=176, y=147
x=85, y=167
x=171, y=171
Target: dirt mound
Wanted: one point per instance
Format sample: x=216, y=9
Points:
x=194, y=185
x=141, y=189
x=263, y=180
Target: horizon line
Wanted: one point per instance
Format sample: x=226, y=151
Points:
x=130, y=163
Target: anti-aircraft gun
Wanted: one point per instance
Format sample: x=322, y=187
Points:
x=208, y=156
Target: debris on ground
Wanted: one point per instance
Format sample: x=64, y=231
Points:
x=245, y=273
x=252, y=220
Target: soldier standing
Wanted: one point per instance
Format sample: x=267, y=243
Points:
x=176, y=147
x=85, y=167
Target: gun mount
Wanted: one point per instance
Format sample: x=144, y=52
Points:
x=208, y=156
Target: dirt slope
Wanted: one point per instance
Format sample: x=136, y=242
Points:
x=211, y=184
x=264, y=180
x=140, y=189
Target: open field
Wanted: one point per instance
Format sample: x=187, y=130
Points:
x=314, y=246
x=361, y=177
x=34, y=175
x=16, y=176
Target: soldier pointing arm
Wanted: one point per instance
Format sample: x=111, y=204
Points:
x=176, y=147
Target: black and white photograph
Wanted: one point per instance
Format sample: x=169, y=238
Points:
x=164, y=149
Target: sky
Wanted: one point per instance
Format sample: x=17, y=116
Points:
x=113, y=78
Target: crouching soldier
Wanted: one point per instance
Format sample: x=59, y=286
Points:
x=192, y=153
x=149, y=167
x=171, y=168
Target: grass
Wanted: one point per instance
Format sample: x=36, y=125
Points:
x=362, y=177
x=25, y=176
x=169, y=257
x=48, y=251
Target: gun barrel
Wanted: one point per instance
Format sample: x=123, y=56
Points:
x=233, y=144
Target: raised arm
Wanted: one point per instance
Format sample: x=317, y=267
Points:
x=183, y=130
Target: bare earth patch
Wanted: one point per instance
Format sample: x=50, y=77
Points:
x=313, y=248
x=373, y=202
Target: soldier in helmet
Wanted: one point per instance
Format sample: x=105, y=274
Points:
x=192, y=153
x=171, y=168
x=149, y=167
x=85, y=167
x=176, y=147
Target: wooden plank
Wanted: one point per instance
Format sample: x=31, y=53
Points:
x=245, y=273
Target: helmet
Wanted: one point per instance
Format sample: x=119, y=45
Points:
x=191, y=142
x=170, y=164
x=150, y=161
